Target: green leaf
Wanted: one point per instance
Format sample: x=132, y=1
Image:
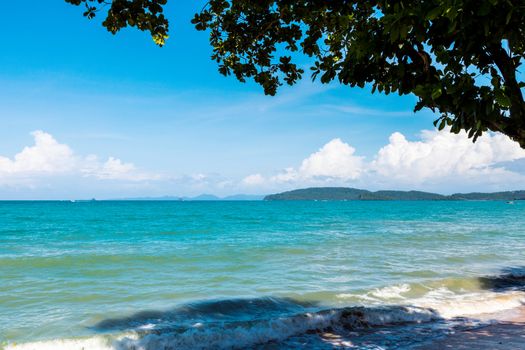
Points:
x=419, y=90
x=436, y=93
x=502, y=99
x=442, y=124
x=509, y=15
x=434, y=13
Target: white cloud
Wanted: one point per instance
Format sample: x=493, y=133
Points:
x=436, y=161
x=443, y=154
x=440, y=160
x=114, y=169
x=336, y=159
x=47, y=157
x=289, y=175
x=254, y=180
x=199, y=177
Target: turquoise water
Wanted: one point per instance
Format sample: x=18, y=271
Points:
x=85, y=269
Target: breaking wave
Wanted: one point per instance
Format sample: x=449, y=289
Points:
x=249, y=323
x=148, y=335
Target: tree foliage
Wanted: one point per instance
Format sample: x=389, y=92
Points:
x=461, y=58
x=146, y=15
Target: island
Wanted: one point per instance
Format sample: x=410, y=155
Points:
x=355, y=194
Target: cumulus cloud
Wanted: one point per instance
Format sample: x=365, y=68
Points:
x=48, y=157
x=335, y=159
x=438, y=157
x=45, y=156
x=442, y=154
x=435, y=161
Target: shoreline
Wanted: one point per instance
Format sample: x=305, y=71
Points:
x=505, y=331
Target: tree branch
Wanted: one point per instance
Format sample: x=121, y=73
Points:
x=508, y=70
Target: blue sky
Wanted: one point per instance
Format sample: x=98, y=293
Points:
x=178, y=127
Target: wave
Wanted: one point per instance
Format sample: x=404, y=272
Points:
x=248, y=323
x=242, y=334
x=91, y=343
x=450, y=305
x=391, y=292
x=454, y=297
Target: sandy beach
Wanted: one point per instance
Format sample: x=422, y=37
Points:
x=507, y=332
x=498, y=331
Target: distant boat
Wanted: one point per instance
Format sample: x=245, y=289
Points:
x=510, y=202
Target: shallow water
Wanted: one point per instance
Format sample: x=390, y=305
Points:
x=150, y=269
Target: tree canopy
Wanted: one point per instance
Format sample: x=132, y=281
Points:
x=461, y=58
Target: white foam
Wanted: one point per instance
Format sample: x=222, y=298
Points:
x=445, y=302
x=434, y=305
x=229, y=336
x=236, y=335
x=363, y=297
x=356, y=317
x=241, y=334
x=391, y=292
x=379, y=295
x=248, y=334
x=91, y=343
x=147, y=326
x=450, y=305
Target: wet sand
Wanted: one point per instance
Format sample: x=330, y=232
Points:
x=506, y=332
x=498, y=331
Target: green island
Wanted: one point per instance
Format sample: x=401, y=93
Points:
x=355, y=194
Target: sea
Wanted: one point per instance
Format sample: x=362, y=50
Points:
x=161, y=275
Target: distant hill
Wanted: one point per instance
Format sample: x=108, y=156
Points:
x=353, y=194
x=243, y=197
x=202, y=197
x=236, y=197
x=501, y=196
